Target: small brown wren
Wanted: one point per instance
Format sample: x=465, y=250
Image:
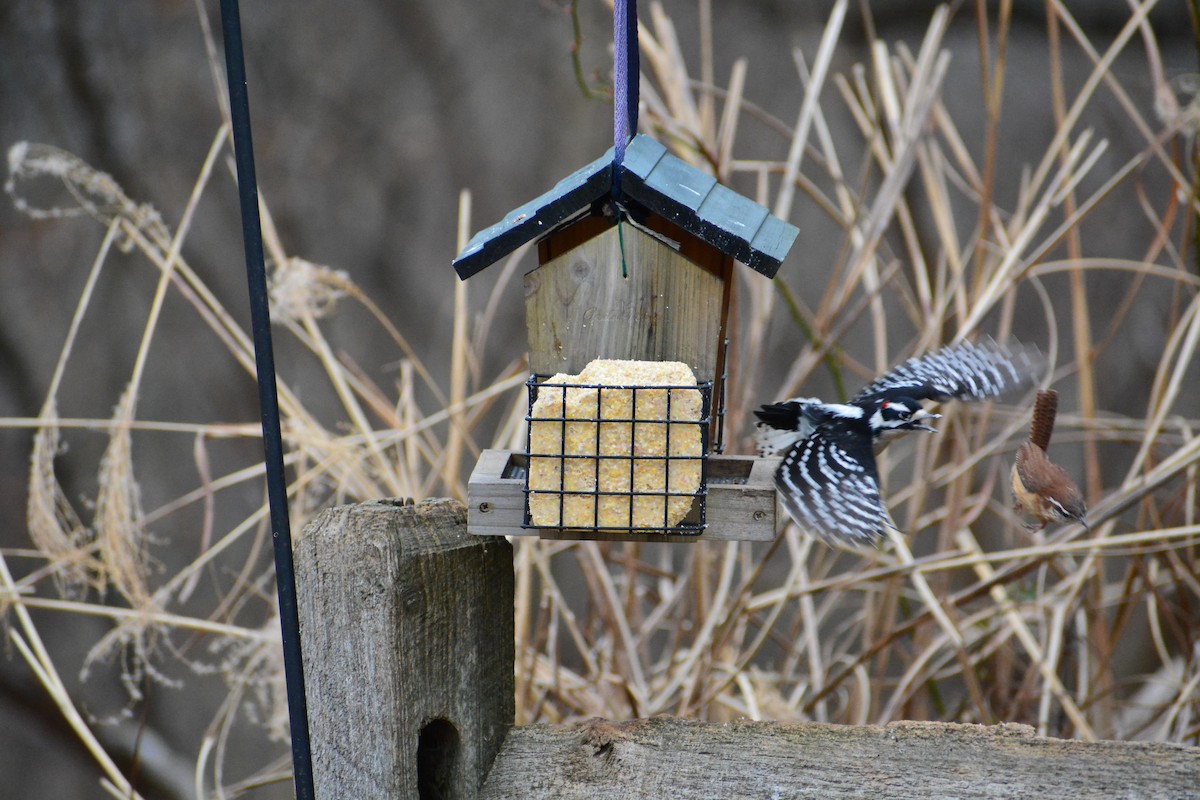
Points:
x=1041, y=488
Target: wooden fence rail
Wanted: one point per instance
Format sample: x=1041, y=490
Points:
x=407, y=626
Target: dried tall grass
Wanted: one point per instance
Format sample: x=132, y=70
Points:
x=1081, y=635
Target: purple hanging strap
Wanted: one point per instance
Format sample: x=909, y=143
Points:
x=625, y=83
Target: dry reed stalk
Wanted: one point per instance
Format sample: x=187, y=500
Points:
x=53, y=524
x=119, y=529
x=29, y=644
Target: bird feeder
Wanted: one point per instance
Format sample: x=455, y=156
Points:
x=635, y=282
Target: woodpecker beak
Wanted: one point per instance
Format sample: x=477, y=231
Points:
x=920, y=415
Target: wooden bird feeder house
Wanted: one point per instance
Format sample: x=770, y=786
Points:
x=643, y=273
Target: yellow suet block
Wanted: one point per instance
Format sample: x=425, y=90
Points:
x=599, y=432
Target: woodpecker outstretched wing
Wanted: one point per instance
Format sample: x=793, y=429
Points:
x=964, y=371
x=829, y=484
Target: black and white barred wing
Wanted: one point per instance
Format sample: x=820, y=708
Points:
x=831, y=489
x=964, y=371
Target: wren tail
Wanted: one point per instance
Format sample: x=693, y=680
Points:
x=1045, y=409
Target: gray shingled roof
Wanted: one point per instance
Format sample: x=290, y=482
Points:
x=658, y=181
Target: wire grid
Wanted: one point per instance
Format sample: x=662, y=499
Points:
x=638, y=465
x=718, y=444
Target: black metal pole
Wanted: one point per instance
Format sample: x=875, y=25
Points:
x=260, y=324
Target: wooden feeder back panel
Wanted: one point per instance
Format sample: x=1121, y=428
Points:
x=579, y=307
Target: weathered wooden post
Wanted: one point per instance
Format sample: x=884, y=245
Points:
x=407, y=625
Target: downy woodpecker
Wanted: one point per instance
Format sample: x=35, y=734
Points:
x=828, y=480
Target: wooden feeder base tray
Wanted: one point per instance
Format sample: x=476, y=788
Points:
x=741, y=502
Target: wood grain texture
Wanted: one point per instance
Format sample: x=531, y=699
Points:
x=404, y=619
x=579, y=307
x=741, y=503
x=661, y=757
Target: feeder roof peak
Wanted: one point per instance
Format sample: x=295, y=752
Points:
x=654, y=179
